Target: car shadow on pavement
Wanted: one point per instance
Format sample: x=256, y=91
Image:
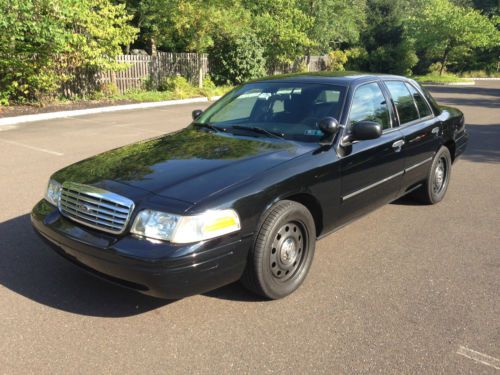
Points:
x=406, y=200
x=483, y=147
x=484, y=143
x=486, y=97
x=30, y=268
x=234, y=292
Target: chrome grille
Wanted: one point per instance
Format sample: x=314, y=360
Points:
x=94, y=207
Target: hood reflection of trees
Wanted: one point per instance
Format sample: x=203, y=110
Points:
x=135, y=161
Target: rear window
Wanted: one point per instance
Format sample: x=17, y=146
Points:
x=403, y=100
x=422, y=106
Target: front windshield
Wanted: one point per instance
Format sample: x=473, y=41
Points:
x=290, y=109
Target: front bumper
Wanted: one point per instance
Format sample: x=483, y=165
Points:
x=155, y=268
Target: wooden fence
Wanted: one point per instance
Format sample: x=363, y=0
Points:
x=152, y=69
x=145, y=71
x=315, y=64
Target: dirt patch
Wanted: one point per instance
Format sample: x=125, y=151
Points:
x=19, y=110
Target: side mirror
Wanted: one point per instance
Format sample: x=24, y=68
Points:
x=330, y=127
x=196, y=113
x=365, y=130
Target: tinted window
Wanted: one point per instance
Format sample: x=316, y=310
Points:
x=423, y=108
x=403, y=100
x=430, y=99
x=291, y=108
x=240, y=108
x=369, y=104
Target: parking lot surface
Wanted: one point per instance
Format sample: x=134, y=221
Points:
x=406, y=289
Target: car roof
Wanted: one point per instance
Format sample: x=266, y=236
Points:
x=337, y=78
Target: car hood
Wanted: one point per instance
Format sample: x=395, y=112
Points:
x=188, y=165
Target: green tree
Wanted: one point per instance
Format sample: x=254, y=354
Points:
x=334, y=23
x=41, y=39
x=187, y=25
x=447, y=32
x=281, y=27
x=236, y=59
x=389, y=50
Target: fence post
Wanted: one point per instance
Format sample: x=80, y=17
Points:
x=153, y=75
x=200, y=70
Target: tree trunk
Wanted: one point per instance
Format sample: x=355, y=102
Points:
x=312, y=11
x=443, y=60
x=200, y=70
x=308, y=58
x=154, y=50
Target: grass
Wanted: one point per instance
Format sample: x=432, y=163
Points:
x=173, y=91
x=170, y=88
x=156, y=96
x=143, y=96
x=435, y=78
x=112, y=97
x=480, y=74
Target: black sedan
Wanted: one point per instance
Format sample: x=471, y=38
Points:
x=244, y=191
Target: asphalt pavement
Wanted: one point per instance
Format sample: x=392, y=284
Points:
x=407, y=289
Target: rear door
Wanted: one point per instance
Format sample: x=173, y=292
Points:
x=420, y=129
x=371, y=170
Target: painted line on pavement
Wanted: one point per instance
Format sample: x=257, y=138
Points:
x=33, y=147
x=479, y=357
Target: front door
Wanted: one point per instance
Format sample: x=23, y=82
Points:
x=372, y=170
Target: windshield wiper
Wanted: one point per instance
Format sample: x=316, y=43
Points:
x=209, y=126
x=259, y=130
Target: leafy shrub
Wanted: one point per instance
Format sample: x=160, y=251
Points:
x=435, y=68
x=149, y=84
x=436, y=78
x=394, y=59
x=300, y=67
x=338, y=59
x=234, y=60
x=109, y=89
x=480, y=74
x=357, y=59
x=178, y=86
x=42, y=43
x=208, y=88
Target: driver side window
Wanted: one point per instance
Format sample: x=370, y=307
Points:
x=369, y=104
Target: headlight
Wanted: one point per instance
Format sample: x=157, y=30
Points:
x=185, y=229
x=53, y=192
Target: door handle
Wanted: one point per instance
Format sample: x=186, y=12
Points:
x=435, y=130
x=398, y=145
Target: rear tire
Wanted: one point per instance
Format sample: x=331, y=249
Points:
x=438, y=178
x=283, y=251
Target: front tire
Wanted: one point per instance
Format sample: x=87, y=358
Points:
x=438, y=179
x=283, y=251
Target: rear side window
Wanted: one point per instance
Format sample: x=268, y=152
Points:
x=423, y=108
x=403, y=100
x=369, y=104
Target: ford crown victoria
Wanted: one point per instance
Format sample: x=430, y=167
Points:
x=246, y=189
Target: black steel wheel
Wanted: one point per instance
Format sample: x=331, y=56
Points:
x=438, y=178
x=283, y=251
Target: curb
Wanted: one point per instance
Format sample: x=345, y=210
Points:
x=472, y=83
x=90, y=111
